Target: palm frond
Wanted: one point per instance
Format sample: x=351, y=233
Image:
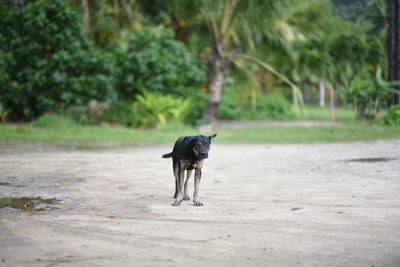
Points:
x=296, y=92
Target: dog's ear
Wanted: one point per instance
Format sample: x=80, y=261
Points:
x=212, y=136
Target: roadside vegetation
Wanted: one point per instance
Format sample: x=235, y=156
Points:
x=54, y=129
x=131, y=71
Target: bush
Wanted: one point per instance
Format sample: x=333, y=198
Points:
x=3, y=114
x=368, y=93
x=119, y=112
x=151, y=110
x=49, y=63
x=271, y=106
x=156, y=62
x=392, y=117
x=54, y=121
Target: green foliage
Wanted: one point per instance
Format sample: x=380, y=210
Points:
x=337, y=58
x=272, y=106
x=3, y=114
x=119, y=112
x=54, y=121
x=267, y=106
x=77, y=113
x=90, y=114
x=151, y=110
x=156, y=62
x=49, y=63
x=367, y=93
x=198, y=101
x=392, y=117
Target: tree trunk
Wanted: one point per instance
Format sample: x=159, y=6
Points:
x=86, y=15
x=321, y=93
x=394, y=46
x=215, y=77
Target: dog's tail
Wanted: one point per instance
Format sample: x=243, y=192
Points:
x=167, y=155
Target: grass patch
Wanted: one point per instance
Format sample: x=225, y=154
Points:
x=87, y=137
x=314, y=112
x=301, y=134
x=54, y=121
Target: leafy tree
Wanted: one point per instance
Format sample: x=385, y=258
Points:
x=235, y=28
x=49, y=62
x=156, y=62
x=349, y=9
x=106, y=20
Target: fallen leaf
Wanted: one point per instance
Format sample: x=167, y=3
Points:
x=28, y=205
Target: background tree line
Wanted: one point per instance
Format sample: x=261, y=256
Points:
x=234, y=59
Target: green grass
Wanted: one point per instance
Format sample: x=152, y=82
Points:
x=65, y=132
x=314, y=112
x=301, y=134
x=87, y=137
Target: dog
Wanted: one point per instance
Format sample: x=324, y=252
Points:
x=189, y=153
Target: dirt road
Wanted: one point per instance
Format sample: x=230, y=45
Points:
x=264, y=205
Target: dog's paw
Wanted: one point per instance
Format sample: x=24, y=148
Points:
x=186, y=197
x=176, y=203
x=197, y=203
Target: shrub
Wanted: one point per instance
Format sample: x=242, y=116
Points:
x=119, y=112
x=3, y=114
x=156, y=62
x=268, y=106
x=368, y=93
x=54, y=121
x=77, y=113
x=229, y=107
x=152, y=110
x=271, y=106
x=392, y=117
x=49, y=63
x=92, y=113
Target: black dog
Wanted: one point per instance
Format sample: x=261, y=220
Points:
x=189, y=153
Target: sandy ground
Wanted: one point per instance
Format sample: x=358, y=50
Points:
x=264, y=205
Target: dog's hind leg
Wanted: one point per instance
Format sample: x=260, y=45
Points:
x=181, y=177
x=175, y=169
x=185, y=192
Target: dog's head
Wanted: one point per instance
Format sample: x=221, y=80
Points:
x=201, y=145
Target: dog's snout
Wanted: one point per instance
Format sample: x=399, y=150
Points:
x=204, y=155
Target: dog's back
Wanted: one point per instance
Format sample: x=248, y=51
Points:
x=180, y=148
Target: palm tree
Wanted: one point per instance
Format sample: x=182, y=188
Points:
x=236, y=26
x=237, y=31
x=315, y=62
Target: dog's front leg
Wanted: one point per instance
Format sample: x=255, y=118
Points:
x=181, y=177
x=197, y=178
x=185, y=190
